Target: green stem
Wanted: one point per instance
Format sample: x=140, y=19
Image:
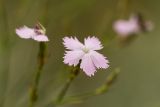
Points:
x=41, y=60
x=73, y=74
x=99, y=91
x=123, y=8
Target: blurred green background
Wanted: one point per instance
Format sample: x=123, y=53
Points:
x=138, y=84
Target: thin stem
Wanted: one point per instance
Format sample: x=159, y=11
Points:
x=73, y=74
x=41, y=61
x=122, y=8
x=99, y=91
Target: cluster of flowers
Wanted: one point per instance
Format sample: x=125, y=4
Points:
x=86, y=54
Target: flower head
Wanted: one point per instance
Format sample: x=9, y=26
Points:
x=134, y=25
x=37, y=33
x=126, y=27
x=90, y=59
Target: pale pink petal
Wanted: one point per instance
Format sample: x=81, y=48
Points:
x=93, y=43
x=121, y=27
x=25, y=32
x=41, y=38
x=99, y=60
x=72, y=43
x=87, y=65
x=126, y=28
x=73, y=57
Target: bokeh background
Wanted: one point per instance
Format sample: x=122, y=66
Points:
x=138, y=84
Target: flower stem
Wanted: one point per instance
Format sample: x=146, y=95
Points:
x=73, y=74
x=99, y=91
x=41, y=61
x=123, y=8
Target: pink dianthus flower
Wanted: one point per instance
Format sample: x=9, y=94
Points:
x=90, y=59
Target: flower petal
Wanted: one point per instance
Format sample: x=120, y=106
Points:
x=41, y=38
x=87, y=65
x=25, y=32
x=93, y=43
x=121, y=27
x=99, y=60
x=72, y=43
x=73, y=57
x=126, y=27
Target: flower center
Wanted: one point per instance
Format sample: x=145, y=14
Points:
x=85, y=49
x=39, y=29
x=39, y=32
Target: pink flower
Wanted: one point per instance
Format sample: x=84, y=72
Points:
x=134, y=25
x=90, y=59
x=37, y=33
x=127, y=27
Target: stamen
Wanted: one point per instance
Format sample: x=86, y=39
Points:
x=85, y=49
